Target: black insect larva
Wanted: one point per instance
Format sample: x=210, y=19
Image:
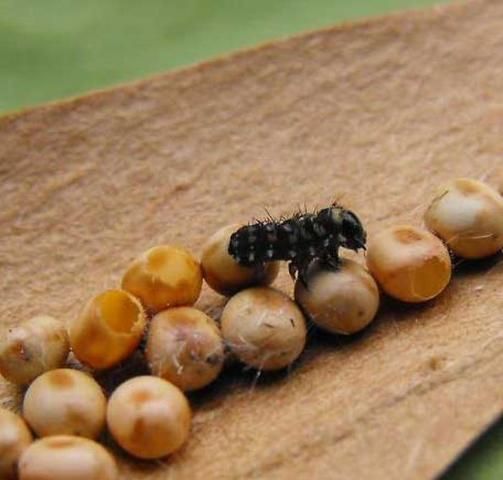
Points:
x=300, y=239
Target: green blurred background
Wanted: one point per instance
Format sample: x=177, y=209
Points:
x=52, y=49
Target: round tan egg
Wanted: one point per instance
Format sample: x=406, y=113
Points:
x=108, y=330
x=264, y=328
x=410, y=264
x=223, y=274
x=339, y=301
x=31, y=348
x=149, y=417
x=468, y=216
x=64, y=457
x=15, y=438
x=164, y=276
x=185, y=347
x=65, y=402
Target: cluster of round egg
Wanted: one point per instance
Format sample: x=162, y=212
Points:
x=149, y=416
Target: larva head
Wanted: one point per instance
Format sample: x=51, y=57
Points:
x=353, y=235
x=345, y=224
